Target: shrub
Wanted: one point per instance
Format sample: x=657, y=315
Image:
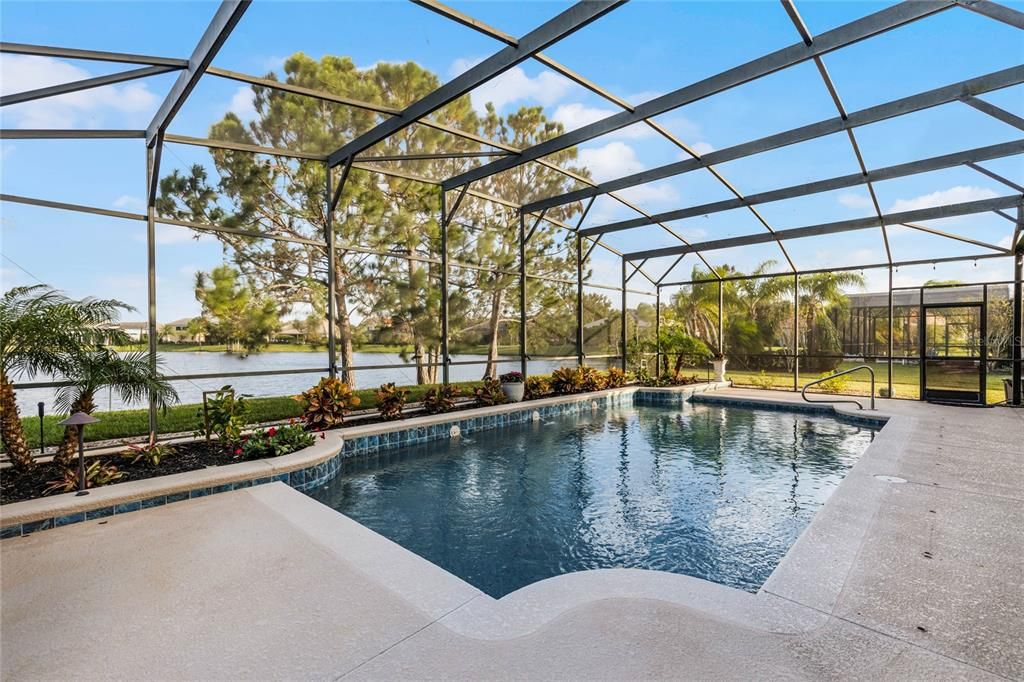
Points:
x=762, y=380
x=489, y=394
x=151, y=452
x=274, y=442
x=224, y=415
x=511, y=378
x=615, y=378
x=391, y=400
x=96, y=474
x=592, y=379
x=834, y=385
x=567, y=380
x=537, y=387
x=440, y=399
x=325, y=405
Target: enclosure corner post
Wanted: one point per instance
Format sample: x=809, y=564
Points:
x=523, y=357
x=891, y=327
x=1017, y=388
x=796, y=331
x=445, y=378
x=721, y=317
x=657, y=330
x=151, y=330
x=580, y=356
x=622, y=331
x=332, y=351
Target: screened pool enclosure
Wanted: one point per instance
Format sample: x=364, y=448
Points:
x=410, y=238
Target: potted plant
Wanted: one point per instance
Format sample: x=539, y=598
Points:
x=512, y=386
x=718, y=361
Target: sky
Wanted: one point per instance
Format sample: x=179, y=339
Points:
x=639, y=51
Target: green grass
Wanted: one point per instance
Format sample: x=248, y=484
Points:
x=184, y=418
x=905, y=380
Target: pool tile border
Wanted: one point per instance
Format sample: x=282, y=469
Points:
x=313, y=466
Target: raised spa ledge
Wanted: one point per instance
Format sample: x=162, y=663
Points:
x=306, y=468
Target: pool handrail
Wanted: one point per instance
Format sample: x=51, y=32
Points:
x=803, y=393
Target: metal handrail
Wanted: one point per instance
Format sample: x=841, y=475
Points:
x=803, y=393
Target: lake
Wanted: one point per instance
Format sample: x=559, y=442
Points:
x=190, y=390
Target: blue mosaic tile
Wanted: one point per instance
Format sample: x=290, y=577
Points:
x=99, y=513
x=176, y=497
x=125, y=507
x=33, y=526
x=199, y=492
x=10, y=531
x=154, y=502
x=284, y=478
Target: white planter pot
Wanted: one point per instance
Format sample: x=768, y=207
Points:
x=514, y=392
x=719, y=366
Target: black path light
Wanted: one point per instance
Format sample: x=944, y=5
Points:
x=80, y=419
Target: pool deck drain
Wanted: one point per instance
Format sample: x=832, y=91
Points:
x=912, y=581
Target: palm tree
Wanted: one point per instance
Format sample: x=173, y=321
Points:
x=41, y=330
x=130, y=375
x=819, y=293
x=696, y=306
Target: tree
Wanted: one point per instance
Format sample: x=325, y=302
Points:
x=129, y=375
x=820, y=293
x=42, y=330
x=234, y=313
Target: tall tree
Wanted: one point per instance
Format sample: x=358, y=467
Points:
x=234, y=313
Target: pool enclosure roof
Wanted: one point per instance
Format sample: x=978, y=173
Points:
x=657, y=264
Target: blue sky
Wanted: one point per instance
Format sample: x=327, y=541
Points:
x=639, y=51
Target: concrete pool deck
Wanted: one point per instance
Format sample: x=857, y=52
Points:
x=891, y=580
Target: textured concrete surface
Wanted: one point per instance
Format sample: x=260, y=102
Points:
x=919, y=580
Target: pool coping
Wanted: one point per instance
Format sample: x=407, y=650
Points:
x=309, y=467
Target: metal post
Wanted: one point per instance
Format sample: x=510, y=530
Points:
x=151, y=181
x=523, y=357
x=332, y=352
x=796, y=331
x=721, y=318
x=81, y=460
x=580, y=355
x=984, y=344
x=890, y=332
x=622, y=339
x=657, y=331
x=1018, y=316
x=42, y=431
x=444, y=292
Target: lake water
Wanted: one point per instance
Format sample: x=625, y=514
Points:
x=190, y=390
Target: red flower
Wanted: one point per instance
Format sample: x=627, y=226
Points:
x=271, y=431
x=238, y=451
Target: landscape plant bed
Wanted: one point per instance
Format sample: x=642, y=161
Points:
x=189, y=456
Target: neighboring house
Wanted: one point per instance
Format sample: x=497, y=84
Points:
x=177, y=331
x=136, y=331
x=295, y=331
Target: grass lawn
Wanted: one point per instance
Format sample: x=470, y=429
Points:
x=905, y=381
x=183, y=418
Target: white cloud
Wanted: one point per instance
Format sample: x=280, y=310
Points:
x=127, y=201
x=854, y=200
x=243, y=103
x=514, y=85
x=613, y=160
x=6, y=150
x=132, y=102
x=953, y=195
x=617, y=159
x=576, y=115
x=702, y=148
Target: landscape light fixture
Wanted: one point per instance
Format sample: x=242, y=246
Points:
x=80, y=419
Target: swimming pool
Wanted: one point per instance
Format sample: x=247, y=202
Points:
x=716, y=492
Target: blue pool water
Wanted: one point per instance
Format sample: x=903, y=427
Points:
x=715, y=492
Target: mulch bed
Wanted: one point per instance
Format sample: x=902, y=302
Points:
x=16, y=487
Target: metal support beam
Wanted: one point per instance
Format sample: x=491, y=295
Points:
x=84, y=84
x=446, y=219
x=224, y=21
x=61, y=134
x=906, y=105
x=151, y=328
x=839, y=182
x=1018, y=314
x=622, y=332
x=995, y=176
x=890, y=339
x=955, y=237
x=438, y=156
x=995, y=112
x=523, y=357
x=580, y=354
x=853, y=32
x=332, y=353
x=566, y=23
x=934, y=213
x=657, y=331
x=994, y=10
x=721, y=317
x=91, y=55
x=242, y=147
x=796, y=331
